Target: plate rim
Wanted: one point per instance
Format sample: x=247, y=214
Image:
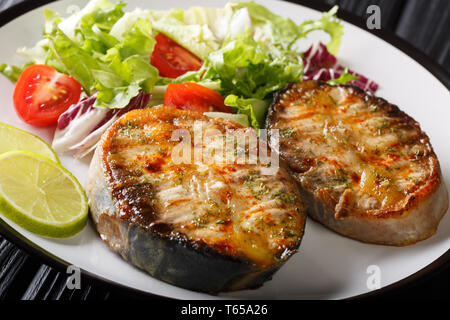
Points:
x=405, y=47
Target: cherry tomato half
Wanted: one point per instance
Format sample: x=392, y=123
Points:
x=42, y=94
x=192, y=96
x=171, y=59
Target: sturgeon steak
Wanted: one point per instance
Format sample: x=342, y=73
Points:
x=206, y=226
x=365, y=167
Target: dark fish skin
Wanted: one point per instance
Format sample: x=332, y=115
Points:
x=134, y=227
x=180, y=262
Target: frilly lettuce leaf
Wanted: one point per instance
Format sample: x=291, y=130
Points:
x=279, y=31
x=328, y=23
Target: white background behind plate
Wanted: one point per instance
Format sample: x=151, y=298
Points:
x=327, y=266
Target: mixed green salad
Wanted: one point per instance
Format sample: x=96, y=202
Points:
x=101, y=62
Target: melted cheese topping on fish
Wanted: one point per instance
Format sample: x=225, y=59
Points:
x=233, y=208
x=357, y=153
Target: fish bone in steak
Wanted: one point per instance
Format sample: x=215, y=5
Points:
x=204, y=226
x=366, y=168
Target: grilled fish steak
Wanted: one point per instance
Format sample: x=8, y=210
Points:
x=202, y=226
x=366, y=169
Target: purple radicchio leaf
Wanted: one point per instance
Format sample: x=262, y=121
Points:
x=82, y=125
x=322, y=65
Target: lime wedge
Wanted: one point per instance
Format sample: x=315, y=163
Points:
x=40, y=195
x=12, y=139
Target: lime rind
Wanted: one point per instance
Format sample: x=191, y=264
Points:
x=42, y=229
x=35, y=224
x=50, y=153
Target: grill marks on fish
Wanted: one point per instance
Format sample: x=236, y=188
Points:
x=232, y=208
x=344, y=142
x=365, y=167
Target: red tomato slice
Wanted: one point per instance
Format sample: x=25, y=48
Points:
x=171, y=59
x=192, y=96
x=42, y=94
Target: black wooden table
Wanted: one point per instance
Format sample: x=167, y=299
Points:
x=424, y=24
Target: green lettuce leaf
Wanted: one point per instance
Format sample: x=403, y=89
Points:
x=343, y=78
x=274, y=28
x=10, y=71
x=254, y=109
x=278, y=31
x=129, y=60
x=328, y=23
x=73, y=60
x=100, y=14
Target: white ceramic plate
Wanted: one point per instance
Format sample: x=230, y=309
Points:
x=328, y=266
